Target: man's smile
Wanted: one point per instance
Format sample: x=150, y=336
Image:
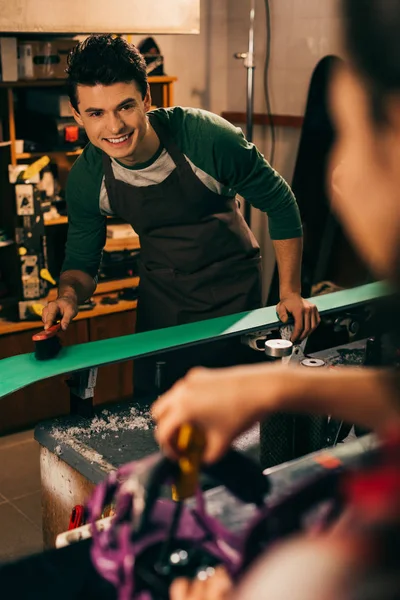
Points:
x=120, y=140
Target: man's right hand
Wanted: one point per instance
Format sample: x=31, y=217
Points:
x=64, y=308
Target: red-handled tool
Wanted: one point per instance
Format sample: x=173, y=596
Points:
x=47, y=343
x=76, y=518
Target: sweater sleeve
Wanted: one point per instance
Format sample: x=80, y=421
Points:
x=222, y=151
x=86, y=225
x=250, y=175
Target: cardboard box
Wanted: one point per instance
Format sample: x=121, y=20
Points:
x=8, y=59
x=44, y=60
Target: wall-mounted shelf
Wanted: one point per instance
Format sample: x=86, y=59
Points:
x=61, y=82
x=120, y=244
x=52, y=153
x=57, y=221
x=106, y=287
x=64, y=220
x=23, y=83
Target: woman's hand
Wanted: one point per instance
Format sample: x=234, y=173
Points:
x=222, y=402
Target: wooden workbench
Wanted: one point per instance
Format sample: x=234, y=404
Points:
x=76, y=453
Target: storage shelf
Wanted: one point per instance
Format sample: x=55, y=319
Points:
x=57, y=221
x=161, y=79
x=23, y=155
x=64, y=220
x=61, y=82
x=105, y=287
x=33, y=83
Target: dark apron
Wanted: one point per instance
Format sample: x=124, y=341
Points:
x=198, y=260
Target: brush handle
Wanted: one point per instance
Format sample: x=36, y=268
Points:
x=46, y=334
x=191, y=443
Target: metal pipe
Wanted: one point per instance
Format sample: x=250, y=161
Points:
x=249, y=64
x=248, y=61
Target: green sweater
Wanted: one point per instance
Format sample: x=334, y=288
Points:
x=220, y=157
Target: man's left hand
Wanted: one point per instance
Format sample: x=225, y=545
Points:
x=305, y=315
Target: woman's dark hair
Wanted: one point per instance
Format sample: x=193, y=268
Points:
x=372, y=38
x=104, y=59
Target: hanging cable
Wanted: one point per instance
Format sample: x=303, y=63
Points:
x=266, y=84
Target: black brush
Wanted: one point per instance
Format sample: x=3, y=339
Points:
x=47, y=343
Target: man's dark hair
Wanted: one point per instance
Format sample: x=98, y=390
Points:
x=373, y=41
x=104, y=60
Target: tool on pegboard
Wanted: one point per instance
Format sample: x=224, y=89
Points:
x=34, y=169
x=77, y=517
x=30, y=237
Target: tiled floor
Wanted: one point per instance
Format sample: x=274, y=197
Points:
x=20, y=506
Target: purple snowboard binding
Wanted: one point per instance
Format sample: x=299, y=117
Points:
x=153, y=540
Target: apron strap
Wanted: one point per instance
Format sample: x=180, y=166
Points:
x=109, y=178
x=167, y=141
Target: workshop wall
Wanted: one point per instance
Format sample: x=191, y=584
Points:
x=303, y=31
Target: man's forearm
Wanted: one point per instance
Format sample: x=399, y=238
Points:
x=76, y=285
x=288, y=257
x=367, y=397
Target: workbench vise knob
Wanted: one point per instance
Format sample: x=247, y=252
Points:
x=349, y=323
x=373, y=352
x=160, y=383
x=276, y=349
x=255, y=340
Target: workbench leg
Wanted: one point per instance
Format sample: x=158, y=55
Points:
x=62, y=488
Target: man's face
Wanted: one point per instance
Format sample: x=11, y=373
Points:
x=114, y=117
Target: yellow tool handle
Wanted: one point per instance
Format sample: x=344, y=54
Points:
x=36, y=308
x=35, y=167
x=45, y=274
x=190, y=443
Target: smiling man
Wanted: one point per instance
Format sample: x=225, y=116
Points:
x=173, y=174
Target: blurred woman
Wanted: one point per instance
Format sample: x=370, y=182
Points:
x=365, y=104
